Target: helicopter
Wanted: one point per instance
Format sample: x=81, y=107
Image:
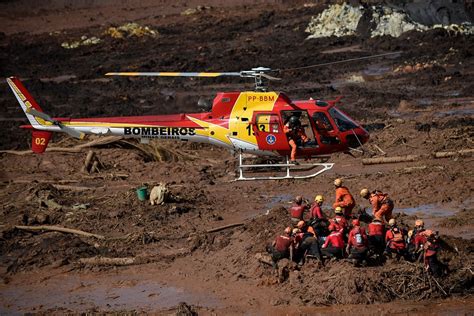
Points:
x=242, y=121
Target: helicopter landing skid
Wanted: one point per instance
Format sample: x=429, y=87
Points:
x=288, y=168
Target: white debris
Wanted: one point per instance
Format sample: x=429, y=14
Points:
x=393, y=23
x=342, y=20
x=464, y=28
x=338, y=20
x=84, y=41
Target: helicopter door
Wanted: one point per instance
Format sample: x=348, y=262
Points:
x=268, y=131
x=324, y=129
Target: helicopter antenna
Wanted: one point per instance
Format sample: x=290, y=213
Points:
x=260, y=75
x=339, y=61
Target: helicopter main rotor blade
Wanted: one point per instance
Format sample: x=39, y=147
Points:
x=270, y=77
x=174, y=74
x=70, y=131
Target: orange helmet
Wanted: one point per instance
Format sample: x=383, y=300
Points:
x=288, y=230
x=300, y=224
x=355, y=222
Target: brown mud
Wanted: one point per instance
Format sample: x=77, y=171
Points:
x=408, y=108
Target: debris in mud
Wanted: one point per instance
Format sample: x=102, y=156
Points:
x=130, y=30
x=346, y=20
x=185, y=310
x=198, y=9
x=84, y=41
x=338, y=20
x=159, y=194
x=392, y=22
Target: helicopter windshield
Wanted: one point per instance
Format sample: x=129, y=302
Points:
x=342, y=121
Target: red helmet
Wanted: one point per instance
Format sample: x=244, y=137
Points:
x=355, y=222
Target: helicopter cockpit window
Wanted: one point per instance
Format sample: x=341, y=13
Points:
x=322, y=122
x=268, y=123
x=342, y=121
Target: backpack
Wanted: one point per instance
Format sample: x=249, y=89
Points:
x=397, y=235
x=358, y=238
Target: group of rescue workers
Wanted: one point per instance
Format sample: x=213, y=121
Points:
x=314, y=235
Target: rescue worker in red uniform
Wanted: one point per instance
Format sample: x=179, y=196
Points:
x=416, y=240
x=382, y=205
x=282, y=247
x=309, y=246
x=315, y=210
x=295, y=134
x=297, y=210
x=358, y=243
x=376, y=232
x=431, y=248
x=340, y=221
x=395, y=241
x=344, y=198
x=317, y=218
x=334, y=245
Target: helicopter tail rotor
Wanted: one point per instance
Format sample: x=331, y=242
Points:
x=71, y=132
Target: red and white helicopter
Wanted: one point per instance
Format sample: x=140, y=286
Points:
x=245, y=122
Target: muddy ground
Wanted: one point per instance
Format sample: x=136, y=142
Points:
x=418, y=102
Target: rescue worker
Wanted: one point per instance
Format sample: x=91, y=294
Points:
x=376, y=232
x=282, y=247
x=334, y=245
x=382, y=205
x=358, y=243
x=309, y=244
x=340, y=221
x=297, y=210
x=416, y=240
x=344, y=198
x=395, y=241
x=317, y=218
x=315, y=210
x=431, y=248
x=295, y=134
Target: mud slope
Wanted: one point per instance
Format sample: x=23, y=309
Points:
x=418, y=102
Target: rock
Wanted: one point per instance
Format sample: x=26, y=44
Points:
x=404, y=105
x=59, y=263
x=42, y=218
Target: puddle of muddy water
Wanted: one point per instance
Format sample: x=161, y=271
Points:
x=108, y=293
x=428, y=210
x=433, y=214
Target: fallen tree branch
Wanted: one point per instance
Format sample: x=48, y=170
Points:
x=49, y=149
x=105, y=261
x=446, y=154
x=223, y=227
x=73, y=187
x=394, y=159
x=60, y=229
